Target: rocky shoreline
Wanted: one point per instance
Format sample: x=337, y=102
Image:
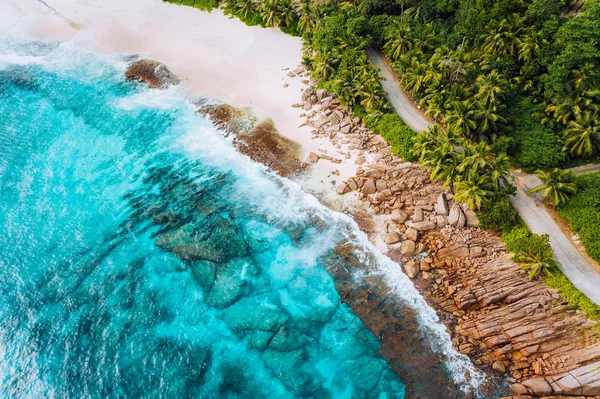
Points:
x=519, y=328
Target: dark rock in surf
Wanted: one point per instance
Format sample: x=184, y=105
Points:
x=155, y=74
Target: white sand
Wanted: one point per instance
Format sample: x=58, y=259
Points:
x=216, y=56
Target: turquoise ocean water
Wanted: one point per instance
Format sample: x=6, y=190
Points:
x=141, y=256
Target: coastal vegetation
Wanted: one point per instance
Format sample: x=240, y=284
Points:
x=582, y=212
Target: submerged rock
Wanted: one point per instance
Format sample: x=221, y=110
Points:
x=254, y=313
x=231, y=282
x=204, y=273
x=153, y=73
x=215, y=238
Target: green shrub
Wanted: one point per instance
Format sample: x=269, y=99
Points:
x=522, y=242
x=535, y=146
x=582, y=212
x=498, y=214
x=398, y=135
x=572, y=295
x=204, y=5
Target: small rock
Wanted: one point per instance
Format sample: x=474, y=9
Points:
x=477, y=252
x=418, y=216
x=399, y=216
x=424, y=226
x=499, y=367
x=392, y=238
x=342, y=189
x=408, y=248
x=313, y=158
x=411, y=269
x=411, y=234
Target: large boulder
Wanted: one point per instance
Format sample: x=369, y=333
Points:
x=538, y=386
x=369, y=187
x=215, y=238
x=453, y=251
x=204, y=273
x=471, y=219
x=456, y=217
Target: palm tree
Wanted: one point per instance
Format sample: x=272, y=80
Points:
x=490, y=88
x=557, y=185
x=571, y=104
x=582, y=136
x=475, y=160
x=473, y=193
x=270, y=13
x=245, y=7
x=424, y=37
x=538, y=262
x=398, y=43
x=529, y=45
x=442, y=160
x=498, y=170
x=414, y=79
x=585, y=78
x=306, y=22
x=323, y=65
x=287, y=12
x=504, y=40
x=460, y=117
x=488, y=120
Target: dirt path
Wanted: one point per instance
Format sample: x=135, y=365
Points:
x=400, y=101
x=583, y=275
x=582, y=170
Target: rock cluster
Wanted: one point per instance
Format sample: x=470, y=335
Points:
x=259, y=141
x=328, y=119
x=153, y=73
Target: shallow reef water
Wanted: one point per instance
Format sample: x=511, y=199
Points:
x=141, y=256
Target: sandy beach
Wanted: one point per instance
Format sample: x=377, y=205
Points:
x=216, y=57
